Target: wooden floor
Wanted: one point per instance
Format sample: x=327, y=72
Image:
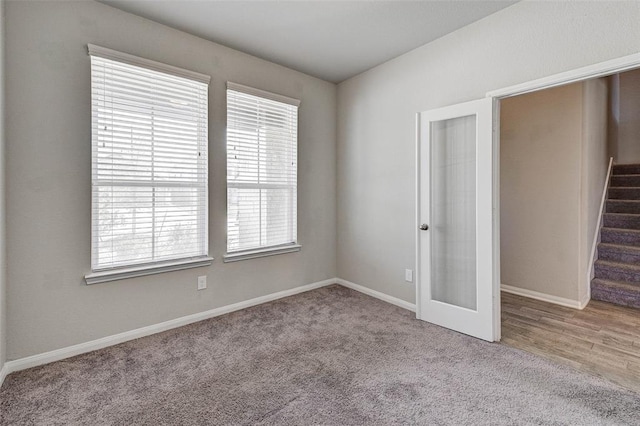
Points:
x=602, y=339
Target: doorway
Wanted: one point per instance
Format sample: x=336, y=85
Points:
x=490, y=285
x=564, y=196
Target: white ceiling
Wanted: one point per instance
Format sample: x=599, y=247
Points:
x=327, y=39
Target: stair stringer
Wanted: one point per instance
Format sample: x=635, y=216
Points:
x=591, y=271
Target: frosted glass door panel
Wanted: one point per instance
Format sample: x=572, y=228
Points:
x=453, y=212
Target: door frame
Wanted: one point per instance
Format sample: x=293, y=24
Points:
x=601, y=69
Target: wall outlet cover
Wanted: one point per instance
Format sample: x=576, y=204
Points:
x=408, y=275
x=202, y=282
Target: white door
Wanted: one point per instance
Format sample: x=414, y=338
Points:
x=456, y=280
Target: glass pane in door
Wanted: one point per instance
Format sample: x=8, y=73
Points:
x=453, y=212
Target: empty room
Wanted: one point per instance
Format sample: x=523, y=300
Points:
x=263, y=212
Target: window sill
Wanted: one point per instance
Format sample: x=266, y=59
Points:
x=252, y=254
x=138, y=271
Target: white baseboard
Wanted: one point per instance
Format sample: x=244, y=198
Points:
x=569, y=303
x=585, y=301
x=58, y=354
x=70, y=351
x=4, y=371
x=378, y=295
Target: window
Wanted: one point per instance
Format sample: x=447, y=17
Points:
x=262, y=156
x=149, y=166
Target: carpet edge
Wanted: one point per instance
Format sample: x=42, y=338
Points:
x=378, y=295
x=93, y=345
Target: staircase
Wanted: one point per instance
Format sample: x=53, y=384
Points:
x=617, y=269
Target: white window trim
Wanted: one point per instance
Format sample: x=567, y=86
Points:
x=103, y=52
x=149, y=269
x=120, y=273
x=263, y=94
x=261, y=252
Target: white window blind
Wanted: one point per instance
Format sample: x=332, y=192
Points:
x=149, y=163
x=262, y=164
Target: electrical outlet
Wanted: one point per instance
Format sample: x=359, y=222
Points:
x=408, y=275
x=202, y=282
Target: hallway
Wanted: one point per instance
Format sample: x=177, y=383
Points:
x=602, y=339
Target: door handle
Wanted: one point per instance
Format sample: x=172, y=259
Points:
x=424, y=227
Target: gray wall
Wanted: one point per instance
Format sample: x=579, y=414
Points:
x=553, y=164
x=540, y=164
x=49, y=180
x=3, y=252
x=595, y=160
x=376, y=115
x=624, y=125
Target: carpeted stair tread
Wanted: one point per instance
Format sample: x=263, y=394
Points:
x=622, y=248
x=620, y=169
x=617, y=284
x=620, y=236
x=636, y=231
x=623, y=206
x=624, y=214
x=624, y=193
x=629, y=266
x=619, y=253
x=618, y=292
x=616, y=271
x=621, y=220
x=625, y=180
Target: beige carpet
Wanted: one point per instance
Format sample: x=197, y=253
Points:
x=331, y=356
